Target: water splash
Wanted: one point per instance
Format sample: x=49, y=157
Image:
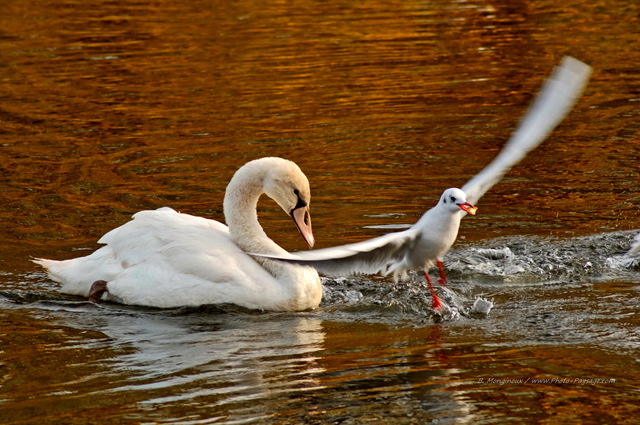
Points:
x=479, y=272
x=531, y=260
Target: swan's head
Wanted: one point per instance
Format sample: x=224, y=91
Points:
x=455, y=199
x=289, y=187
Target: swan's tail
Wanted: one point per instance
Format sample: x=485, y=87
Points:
x=67, y=273
x=78, y=274
x=51, y=266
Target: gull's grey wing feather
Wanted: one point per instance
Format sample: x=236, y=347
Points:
x=370, y=256
x=556, y=98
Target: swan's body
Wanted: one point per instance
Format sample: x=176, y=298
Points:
x=163, y=258
x=426, y=242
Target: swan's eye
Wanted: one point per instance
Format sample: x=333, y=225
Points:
x=300, y=203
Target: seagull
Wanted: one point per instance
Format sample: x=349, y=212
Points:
x=425, y=243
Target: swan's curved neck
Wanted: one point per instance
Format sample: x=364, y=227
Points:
x=295, y=287
x=240, y=210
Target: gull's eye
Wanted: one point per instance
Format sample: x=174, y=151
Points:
x=452, y=199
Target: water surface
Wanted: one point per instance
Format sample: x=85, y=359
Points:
x=111, y=107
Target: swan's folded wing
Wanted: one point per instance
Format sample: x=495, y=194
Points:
x=556, y=98
x=370, y=256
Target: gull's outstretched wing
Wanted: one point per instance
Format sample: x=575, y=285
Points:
x=370, y=256
x=388, y=253
x=556, y=98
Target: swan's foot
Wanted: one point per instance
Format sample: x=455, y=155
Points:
x=442, y=280
x=98, y=288
x=436, y=304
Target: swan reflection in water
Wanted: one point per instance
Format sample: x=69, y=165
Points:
x=196, y=353
x=231, y=363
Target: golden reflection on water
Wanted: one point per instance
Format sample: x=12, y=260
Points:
x=121, y=107
x=110, y=107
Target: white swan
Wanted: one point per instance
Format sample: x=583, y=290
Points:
x=164, y=259
x=426, y=242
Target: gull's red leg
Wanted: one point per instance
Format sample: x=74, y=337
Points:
x=442, y=280
x=436, y=303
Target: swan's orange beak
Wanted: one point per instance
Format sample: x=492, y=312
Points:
x=468, y=208
x=302, y=218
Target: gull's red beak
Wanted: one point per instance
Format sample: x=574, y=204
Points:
x=468, y=208
x=302, y=218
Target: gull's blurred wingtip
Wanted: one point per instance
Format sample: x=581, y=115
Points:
x=577, y=71
x=558, y=94
x=575, y=64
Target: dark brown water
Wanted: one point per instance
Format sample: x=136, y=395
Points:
x=110, y=107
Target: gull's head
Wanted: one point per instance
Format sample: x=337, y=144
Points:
x=455, y=199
